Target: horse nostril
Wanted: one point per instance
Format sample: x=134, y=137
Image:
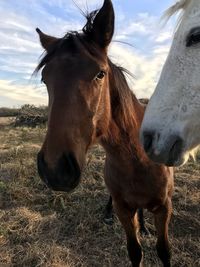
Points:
x=175, y=151
x=147, y=141
x=68, y=164
x=65, y=176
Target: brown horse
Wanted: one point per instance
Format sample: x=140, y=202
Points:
x=90, y=101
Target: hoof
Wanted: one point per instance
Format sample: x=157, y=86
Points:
x=108, y=220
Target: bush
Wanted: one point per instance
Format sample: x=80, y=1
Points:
x=32, y=116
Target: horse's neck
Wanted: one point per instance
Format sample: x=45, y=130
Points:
x=122, y=139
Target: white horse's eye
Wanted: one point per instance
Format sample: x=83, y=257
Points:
x=100, y=75
x=193, y=37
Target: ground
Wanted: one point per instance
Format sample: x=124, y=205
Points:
x=41, y=228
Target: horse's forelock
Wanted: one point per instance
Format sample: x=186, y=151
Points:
x=180, y=5
x=87, y=29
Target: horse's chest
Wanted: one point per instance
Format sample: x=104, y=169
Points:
x=137, y=196
x=143, y=188
x=144, y=192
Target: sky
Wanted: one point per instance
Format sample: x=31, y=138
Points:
x=137, y=23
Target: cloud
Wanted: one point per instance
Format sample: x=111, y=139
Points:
x=146, y=69
x=22, y=93
x=20, y=48
x=146, y=59
x=164, y=36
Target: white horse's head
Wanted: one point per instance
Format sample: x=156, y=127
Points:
x=171, y=128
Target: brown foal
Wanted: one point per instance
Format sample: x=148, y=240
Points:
x=90, y=101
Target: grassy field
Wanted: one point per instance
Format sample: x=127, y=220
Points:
x=41, y=228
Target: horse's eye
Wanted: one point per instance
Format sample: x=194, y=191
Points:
x=193, y=37
x=100, y=75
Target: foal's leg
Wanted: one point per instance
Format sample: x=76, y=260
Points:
x=162, y=219
x=143, y=229
x=108, y=218
x=129, y=221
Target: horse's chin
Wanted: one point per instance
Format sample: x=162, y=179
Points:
x=66, y=174
x=65, y=189
x=184, y=157
x=182, y=160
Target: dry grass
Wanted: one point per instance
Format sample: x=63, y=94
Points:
x=42, y=228
x=6, y=121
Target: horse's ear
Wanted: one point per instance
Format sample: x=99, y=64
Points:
x=103, y=24
x=46, y=41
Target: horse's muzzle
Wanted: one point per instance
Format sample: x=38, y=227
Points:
x=171, y=152
x=64, y=177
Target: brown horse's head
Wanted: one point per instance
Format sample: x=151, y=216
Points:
x=76, y=74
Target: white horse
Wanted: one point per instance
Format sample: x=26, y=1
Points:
x=170, y=131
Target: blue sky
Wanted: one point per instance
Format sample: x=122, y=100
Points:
x=137, y=22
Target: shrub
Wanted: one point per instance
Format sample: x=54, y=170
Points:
x=32, y=116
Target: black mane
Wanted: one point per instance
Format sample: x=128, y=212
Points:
x=88, y=28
